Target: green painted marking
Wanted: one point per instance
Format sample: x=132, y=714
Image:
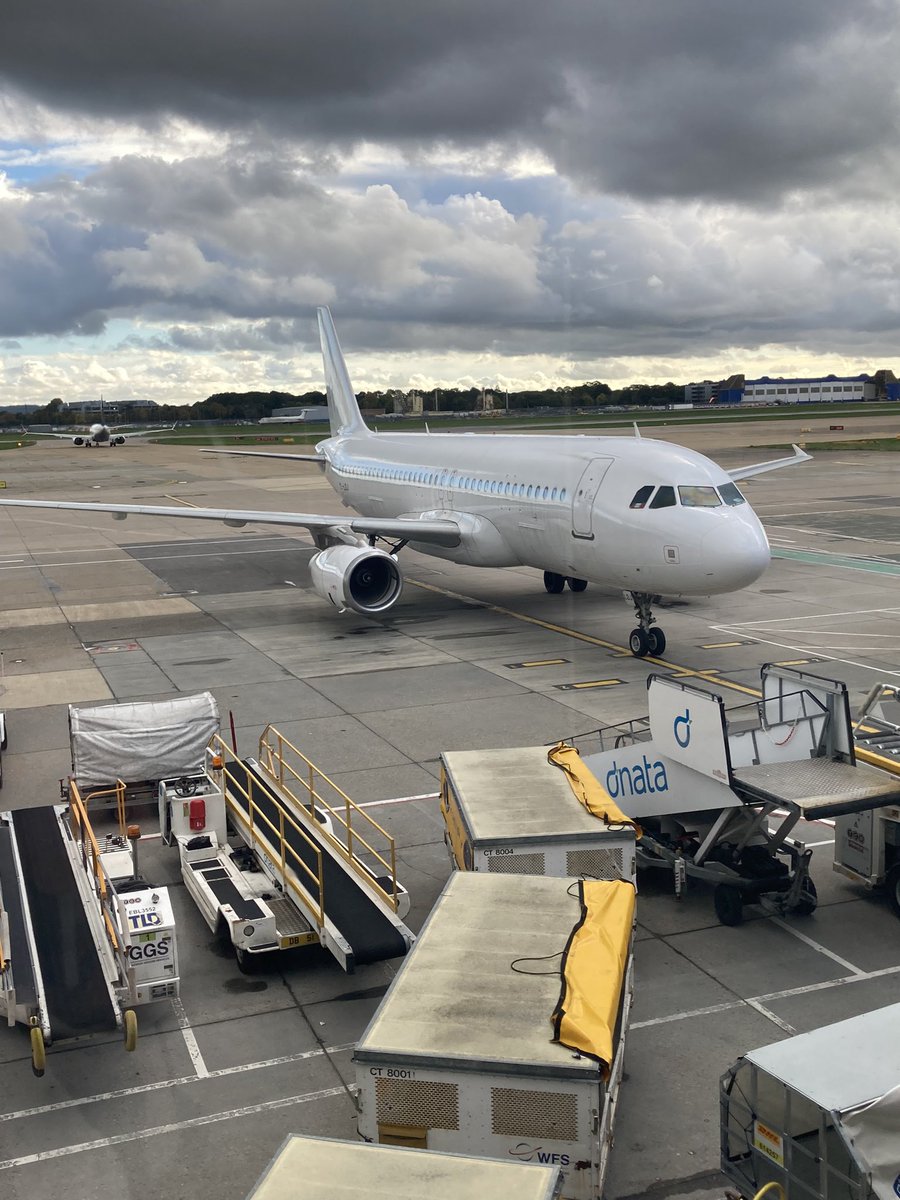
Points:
x=878, y=566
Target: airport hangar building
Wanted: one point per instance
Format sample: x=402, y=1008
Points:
x=843, y=389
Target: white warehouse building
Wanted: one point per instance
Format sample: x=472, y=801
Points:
x=797, y=391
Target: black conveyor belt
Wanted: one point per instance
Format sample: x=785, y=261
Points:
x=77, y=995
x=348, y=905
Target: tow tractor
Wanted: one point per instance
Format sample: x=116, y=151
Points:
x=276, y=856
x=84, y=938
x=867, y=844
x=718, y=797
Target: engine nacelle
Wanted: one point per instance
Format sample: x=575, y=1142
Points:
x=358, y=577
x=118, y=441
x=78, y=441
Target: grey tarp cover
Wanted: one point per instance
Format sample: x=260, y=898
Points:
x=157, y=739
x=875, y=1133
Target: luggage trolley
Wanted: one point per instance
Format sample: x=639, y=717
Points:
x=818, y=1113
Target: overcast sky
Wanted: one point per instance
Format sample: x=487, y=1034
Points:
x=514, y=193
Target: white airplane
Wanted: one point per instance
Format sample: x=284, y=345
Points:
x=101, y=434
x=645, y=516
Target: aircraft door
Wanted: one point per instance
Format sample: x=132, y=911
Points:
x=583, y=497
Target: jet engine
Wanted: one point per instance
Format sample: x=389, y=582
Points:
x=358, y=577
x=77, y=441
x=118, y=441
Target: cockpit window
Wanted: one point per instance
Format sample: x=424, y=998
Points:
x=699, y=497
x=664, y=498
x=730, y=494
x=641, y=496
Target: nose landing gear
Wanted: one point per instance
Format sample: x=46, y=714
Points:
x=648, y=638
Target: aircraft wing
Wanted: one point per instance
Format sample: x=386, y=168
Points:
x=316, y=458
x=436, y=531
x=142, y=432
x=799, y=456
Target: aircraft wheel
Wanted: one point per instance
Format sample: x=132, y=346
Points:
x=38, y=1050
x=576, y=585
x=809, y=899
x=656, y=640
x=554, y=583
x=729, y=904
x=130, y=1028
x=638, y=643
x=892, y=883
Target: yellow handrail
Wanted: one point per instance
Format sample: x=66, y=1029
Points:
x=254, y=815
x=272, y=759
x=119, y=792
x=90, y=857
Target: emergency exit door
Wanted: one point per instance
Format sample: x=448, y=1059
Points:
x=584, y=495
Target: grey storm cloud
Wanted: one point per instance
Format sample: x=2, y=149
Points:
x=705, y=98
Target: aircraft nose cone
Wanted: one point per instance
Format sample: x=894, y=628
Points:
x=736, y=553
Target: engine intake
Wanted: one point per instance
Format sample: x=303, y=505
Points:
x=118, y=441
x=358, y=577
x=77, y=441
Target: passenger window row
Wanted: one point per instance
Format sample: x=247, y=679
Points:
x=694, y=496
x=466, y=483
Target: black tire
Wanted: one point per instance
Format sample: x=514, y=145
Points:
x=576, y=585
x=554, y=583
x=657, y=642
x=245, y=962
x=638, y=644
x=892, y=885
x=809, y=899
x=729, y=904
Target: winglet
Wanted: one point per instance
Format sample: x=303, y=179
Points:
x=637, y=432
x=343, y=411
x=799, y=456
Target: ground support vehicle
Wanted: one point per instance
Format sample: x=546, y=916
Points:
x=718, y=796
x=515, y=811
x=818, y=1113
x=138, y=744
x=84, y=938
x=276, y=856
x=351, y=1170
x=471, y=1051
x=867, y=844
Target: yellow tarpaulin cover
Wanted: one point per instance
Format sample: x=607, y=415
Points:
x=587, y=788
x=594, y=967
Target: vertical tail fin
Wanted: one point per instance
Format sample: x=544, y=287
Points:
x=343, y=411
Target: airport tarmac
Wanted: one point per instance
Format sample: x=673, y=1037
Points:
x=99, y=610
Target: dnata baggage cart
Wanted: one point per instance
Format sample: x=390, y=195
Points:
x=324, y=1169
x=517, y=812
x=474, y=1050
x=818, y=1113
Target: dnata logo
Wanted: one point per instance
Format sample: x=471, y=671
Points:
x=682, y=729
x=525, y=1153
x=644, y=778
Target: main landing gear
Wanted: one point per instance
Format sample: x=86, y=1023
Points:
x=556, y=583
x=648, y=638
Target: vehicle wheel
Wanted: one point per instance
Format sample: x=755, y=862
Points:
x=638, y=643
x=892, y=884
x=130, y=1028
x=729, y=904
x=554, y=583
x=809, y=899
x=38, y=1050
x=576, y=585
x=656, y=639
x=244, y=960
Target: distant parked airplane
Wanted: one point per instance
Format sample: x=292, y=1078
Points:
x=642, y=515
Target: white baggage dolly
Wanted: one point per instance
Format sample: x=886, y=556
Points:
x=461, y=1056
x=514, y=811
x=324, y=1169
x=818, y=1113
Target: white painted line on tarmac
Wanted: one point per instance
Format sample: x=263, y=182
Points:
x=770, y=1016
x=399, y=800
x=190, y=1041
x=177, y=1127
x=162, y=1084
x=817, y=946
x=812, y=845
